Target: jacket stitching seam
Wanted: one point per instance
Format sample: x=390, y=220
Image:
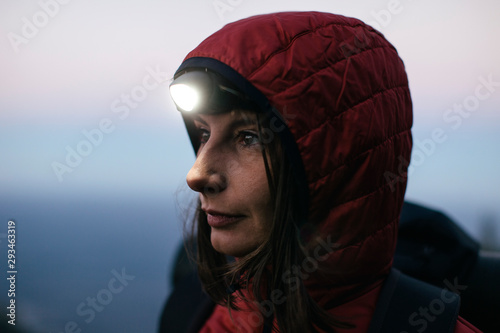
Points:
x=307, y=32
x=344, y=163
x=350, y=108
x=331, y=64
x=360, y=242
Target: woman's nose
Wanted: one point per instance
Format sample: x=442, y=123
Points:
x=207, y=175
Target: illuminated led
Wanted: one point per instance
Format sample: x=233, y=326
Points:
x=186, y=97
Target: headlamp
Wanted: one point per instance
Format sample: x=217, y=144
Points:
x=202, y=91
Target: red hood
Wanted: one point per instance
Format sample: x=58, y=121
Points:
x=343, y=92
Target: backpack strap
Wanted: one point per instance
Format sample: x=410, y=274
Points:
x=408, y=305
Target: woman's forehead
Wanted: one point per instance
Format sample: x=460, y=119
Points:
x=242, y=117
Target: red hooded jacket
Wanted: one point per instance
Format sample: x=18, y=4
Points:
x=343, y=92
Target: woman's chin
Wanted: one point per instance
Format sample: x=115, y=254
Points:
x=231, y=245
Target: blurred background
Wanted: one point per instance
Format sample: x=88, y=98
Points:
x=93, y=154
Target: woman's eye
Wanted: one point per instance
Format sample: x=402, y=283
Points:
x=249, y=138
x=203, y=135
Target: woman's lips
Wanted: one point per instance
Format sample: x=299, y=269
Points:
x=220, y=220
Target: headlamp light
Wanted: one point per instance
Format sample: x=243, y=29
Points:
x=202, y=91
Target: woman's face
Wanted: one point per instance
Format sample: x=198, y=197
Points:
x=230, y=176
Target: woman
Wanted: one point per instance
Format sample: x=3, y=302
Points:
x=303, y=136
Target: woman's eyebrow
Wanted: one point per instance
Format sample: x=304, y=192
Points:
x=233, y=124
x=241, y=122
